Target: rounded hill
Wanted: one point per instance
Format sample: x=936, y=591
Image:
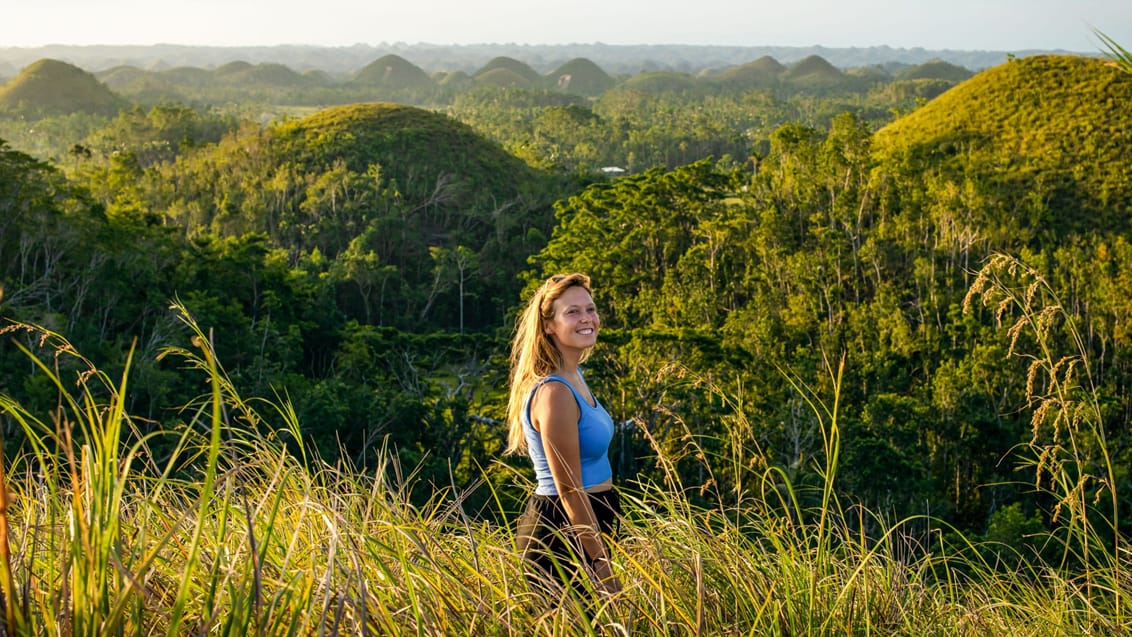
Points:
x=392, y=71
x=420, y=149
x=398, y=197
x=316, y=77
x=762, y=72
x=502, y=78
x=814, y=72
x=141, y=86
x=232, y=68
x=872, y=74
x=119, y=76
x=581, y=77
x=404, y=189
x=189, y=76
x=268, y=74
x=52, y=87
x=1054, y=130
x=935, y=70
x=511, y=66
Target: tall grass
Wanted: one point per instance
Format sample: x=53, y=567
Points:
x=1069, y=450
x=226, y=527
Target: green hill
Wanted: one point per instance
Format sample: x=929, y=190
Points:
x=232, y=68
x=141, y=86
x=503, y=77
x=764, y=71
x=581, y=77
x=398, y=183
x=530, y=76
x=189, y=76
x=870, y=74
x=266, y=75
x=935, y=70
x=394, y=72
x=316, y=77
x=1053, y=131
x=119, y=76
x=460, y=185
x=415, y=146
x=814, y=72
x=51, y=87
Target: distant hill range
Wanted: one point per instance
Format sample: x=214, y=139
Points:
x=544, y=59
x=54, y=87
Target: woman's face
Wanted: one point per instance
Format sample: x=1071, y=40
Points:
x=575, y=323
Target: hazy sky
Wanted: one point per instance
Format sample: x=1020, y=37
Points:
x=999, y=25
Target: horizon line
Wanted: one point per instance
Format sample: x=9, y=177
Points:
x=402, y=44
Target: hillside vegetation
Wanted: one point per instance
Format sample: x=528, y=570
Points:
x=872, y=368
x=935, y=70
x=581, y=77
x=392, y=71
x=1046, y=135
x=765, y=71
x=399, y=190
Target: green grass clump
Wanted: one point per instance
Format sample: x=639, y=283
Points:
x=226, y=526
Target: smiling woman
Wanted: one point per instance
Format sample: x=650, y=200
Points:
x=566, y=432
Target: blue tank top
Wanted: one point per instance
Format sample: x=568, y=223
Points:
x=595, y=431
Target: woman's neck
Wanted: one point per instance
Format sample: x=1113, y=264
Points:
x=568, y=371
x=570, y=362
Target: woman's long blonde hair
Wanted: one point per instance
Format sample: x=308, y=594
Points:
x=533, y=354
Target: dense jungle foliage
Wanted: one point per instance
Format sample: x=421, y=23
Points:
x=366, y=260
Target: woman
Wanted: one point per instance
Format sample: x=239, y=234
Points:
x=556, y=419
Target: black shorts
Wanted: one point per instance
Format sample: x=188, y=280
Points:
x=547, y=542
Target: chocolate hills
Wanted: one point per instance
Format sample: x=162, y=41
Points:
x=393, y=72
x=506, y=71
x=268, y=74
x=414, y=145
x=189, y=76
x=522, y=69
x=461, y=181
x=383, y=184
x=392, y=77
x=814, y=72
x=615, y=59
x=581, y=76
x=935, y=70
x=503, y=78
x=1054, y=131
x=764, y=71
x=52, y=87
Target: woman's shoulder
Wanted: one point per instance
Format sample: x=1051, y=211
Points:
x=552, y=391
x=554, y=384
